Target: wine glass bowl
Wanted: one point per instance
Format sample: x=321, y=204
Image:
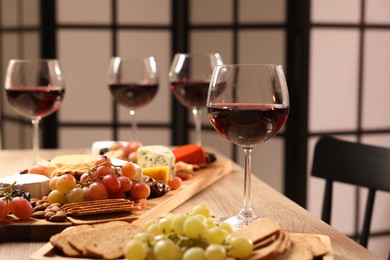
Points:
x=189, y=77
x=247, y=105
x=133, y=83
x=34, y=89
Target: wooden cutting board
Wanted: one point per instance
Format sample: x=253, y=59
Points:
x=41, y=230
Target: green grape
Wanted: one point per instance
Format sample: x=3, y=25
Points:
x=66, y=183
x=194, y=253
x=215, y=235
x=149, y=222
x=135, y=250
x=209, y=223
x=200, y=217
x=178, y=223
x=240, y=247
x=53, y=183
x=150, y=254
x=201, y=209
x=165, y=225
x=165, y=249
x=75, y=195
x=142, y=236
x=154, y=229
x=55, y=196
x=193, y=227
x=226, y=226
x=215, y=252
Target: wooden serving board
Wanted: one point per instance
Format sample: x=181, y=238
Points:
x=41, y=230
x=48, y=252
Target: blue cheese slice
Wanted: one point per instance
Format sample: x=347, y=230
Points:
x=155, y=156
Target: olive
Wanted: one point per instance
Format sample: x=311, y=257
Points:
x=158, y=188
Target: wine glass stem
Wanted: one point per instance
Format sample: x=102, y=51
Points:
x=198, y=124
x=247, y=181
x=133, y=124
x=35, y=141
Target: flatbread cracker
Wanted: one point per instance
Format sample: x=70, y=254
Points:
x=259, y=229
x=315, y=244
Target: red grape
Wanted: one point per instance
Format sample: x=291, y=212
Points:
x=4, y=209
x=129, y=170
x=175, y=183
x=89, y=177
x=134, y=145
x=21, y=208
x=111, y=182
x=126, y=183
x=104, y=170
x=140, y=190
x=102, y=160
x=97, y=191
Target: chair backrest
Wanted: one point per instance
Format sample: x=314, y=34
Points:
x=353, y=163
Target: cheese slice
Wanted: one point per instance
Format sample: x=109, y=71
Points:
x=156, y=156
x=36, y=184
x=160, y=173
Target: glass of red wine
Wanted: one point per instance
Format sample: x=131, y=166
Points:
x=189, y=77
x=133, y=83
x=35, y=89
x=247, y=105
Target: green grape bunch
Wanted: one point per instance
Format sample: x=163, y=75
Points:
x=191, y=236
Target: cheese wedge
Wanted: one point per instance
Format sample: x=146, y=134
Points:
x=190, y=153
x=156, y=156
x=157, y=173
x=36, y=184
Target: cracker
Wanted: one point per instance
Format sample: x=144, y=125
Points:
x=269, y=250
x=266, y=242
x=99, y=207
x=60, y=240
x=298, y=250
x=111, y=245
x=79, y=240
x=259, y=229
x=315, y=244
x=74, y=159
x=75, y=164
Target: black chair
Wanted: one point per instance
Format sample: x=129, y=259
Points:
x=353, y=163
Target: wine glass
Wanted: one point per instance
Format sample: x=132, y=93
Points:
x=247, y=105
x=189, y=77
x=133, y=83
x=34, y=89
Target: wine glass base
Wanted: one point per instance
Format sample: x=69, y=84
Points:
x=240, y=220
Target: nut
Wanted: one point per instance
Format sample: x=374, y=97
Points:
x=39, y=202
x=55, y=204
x=39, y=214
x=49, y=214
x=53, y=208
x=40, y=207
x=58, y=217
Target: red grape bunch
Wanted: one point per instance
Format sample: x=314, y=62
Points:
x=103, y=181
x=17, y=205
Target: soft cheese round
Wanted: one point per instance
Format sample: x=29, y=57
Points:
x=36, y=184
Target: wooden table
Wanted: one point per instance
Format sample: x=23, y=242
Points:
x=223, y=198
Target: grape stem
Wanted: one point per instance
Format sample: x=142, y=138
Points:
x=7, y=191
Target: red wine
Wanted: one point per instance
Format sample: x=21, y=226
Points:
x=35, y=102
x=247, y=124
x=133, y=95
x=191, y=93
